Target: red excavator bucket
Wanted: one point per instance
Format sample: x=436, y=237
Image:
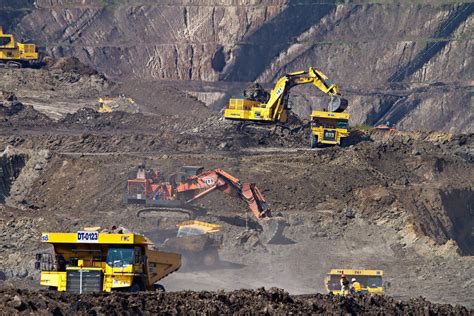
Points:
x=272, y=230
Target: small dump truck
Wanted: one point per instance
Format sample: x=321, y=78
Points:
x=92, y=261
x=328, y=128
x=198, y=242
x=370, y=280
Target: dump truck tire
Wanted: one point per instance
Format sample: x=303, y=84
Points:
x=210, y=258
x=313, y=141
x=159, y=288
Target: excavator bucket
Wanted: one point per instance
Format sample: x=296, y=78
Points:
x=337, y=104
x=272, y=230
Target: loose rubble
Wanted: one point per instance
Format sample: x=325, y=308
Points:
x=260, y=301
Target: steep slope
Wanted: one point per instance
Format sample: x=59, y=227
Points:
x=410, y=64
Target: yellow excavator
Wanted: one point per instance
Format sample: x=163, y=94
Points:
x=14, y=54
x=262, y=107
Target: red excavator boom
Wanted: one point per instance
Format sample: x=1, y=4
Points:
x=200, y=185
x=146, y=188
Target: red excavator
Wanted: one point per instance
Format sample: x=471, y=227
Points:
x=148, y=187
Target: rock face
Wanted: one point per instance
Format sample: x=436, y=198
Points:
x=410, y=64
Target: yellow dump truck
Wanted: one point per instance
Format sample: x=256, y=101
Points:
x=370, y=280
x=198, y=242
x=89, y=261
x=14, y=54
x=328, y=128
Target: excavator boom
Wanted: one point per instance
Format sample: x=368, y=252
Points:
x=218, y=179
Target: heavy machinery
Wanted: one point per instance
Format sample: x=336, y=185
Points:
x=14, y=54
x=198, y=242
x=262, y=107
x=387, y=127
x=120, y=103
x=370, y=280
x=328, y=128
x=93, y=261
x=148, y=188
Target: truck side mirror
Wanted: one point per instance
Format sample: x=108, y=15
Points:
x=144, y=259
x=38, y=257
x=37, y=265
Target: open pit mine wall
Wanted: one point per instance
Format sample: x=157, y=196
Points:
x=410, y=64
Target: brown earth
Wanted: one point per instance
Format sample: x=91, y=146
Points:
x=412, y=192
x=258, y=301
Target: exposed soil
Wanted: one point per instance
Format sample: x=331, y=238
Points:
x=401, y=202
x=258, y=301
x=402, y=189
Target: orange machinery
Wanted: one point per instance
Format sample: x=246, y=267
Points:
x=183, y=188
x=148, y=187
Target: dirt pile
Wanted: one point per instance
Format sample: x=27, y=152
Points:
x=19, y=115
x=9, y=104
x=258, y=301
x=164, y=98
x=70, y=65
x=63, y=86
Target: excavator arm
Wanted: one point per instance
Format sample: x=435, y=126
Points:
x=196, y=187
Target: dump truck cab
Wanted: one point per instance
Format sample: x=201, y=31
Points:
x=89, y=261
x=370, y=280
x=328, y=128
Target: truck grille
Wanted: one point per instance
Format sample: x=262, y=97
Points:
x=91, y=281
x=330, y=135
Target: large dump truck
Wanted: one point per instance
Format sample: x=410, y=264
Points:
x=370, y=280
x=14, y=54
x=89, y=261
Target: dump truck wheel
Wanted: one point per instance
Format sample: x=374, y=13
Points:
x=13, y=64
x=137, y=286
x=134, y=288
x=210, y=259
x=159, y=288
x=313, y=141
